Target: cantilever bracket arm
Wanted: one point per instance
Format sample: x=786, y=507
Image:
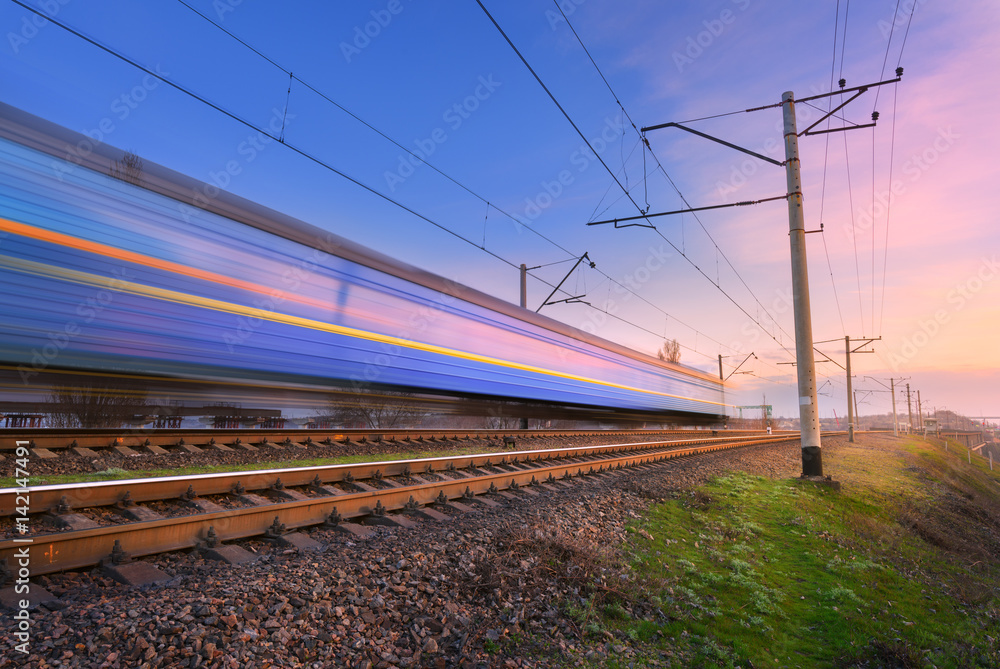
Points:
x=738, y=366
x=576, y=299
x=744, y=203
x=833, y=111
x=864, y=342
x=546, y=302
x=714, y=139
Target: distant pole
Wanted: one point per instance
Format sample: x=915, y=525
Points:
x=720, y=368
x=895, y=422
x=909, y=407
x=524, y=305
x=524, y=286
x=850, y=393
x=812, y=455
x=857, y=414
x=920, y=413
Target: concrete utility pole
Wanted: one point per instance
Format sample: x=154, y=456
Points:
x=850, y=392
x=812, y=459
x=857, y=414
x=812, y=455
x=920, y=413
x=523, y=423
x=909, y=408
x=895, y=423
x=524, y=286
x=852, y=401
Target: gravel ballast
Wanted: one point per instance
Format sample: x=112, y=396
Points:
x=490, y=588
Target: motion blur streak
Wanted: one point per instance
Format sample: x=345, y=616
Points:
x=107, y=276
x=42, y=270
x=149, y=261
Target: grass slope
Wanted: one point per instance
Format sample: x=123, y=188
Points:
x=900, y=569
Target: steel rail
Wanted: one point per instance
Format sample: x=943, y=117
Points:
x=64, y=438
x=61, y=551
x=107, y=493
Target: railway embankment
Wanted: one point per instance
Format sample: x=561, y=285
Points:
x=723, y=560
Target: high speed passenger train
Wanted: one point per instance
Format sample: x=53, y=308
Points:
x=157, y=279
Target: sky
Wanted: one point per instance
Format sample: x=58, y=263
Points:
x=476, y=157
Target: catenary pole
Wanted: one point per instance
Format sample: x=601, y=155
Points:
x=524, y=286
x=850, y=392
x=895, y=423
x=812, y=458
x=920, y=413
x=909, y=408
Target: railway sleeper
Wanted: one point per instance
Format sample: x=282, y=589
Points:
x=414, y=508
x=213, y=549
x=11, y=597
x=120, y=566
x=63, y=517
x=278, y=534
x=133, y=511
x=336, y=522
x=380, y=516
x=278, y=491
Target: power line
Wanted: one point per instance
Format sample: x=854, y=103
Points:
x=892, y=149
x=303, y=152
x=888, y=206
x=658, y=163
x=446, y=176
x=263, y=131
x=854, y=232
x=613, y=176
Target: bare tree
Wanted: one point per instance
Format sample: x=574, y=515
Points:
x=95, y=406
x=670, y=351
x=502, y=416
x=377, y=409
x=129, y=169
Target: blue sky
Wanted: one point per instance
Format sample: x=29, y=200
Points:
x=439, y=78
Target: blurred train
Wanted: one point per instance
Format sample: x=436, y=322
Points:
x=170, y=278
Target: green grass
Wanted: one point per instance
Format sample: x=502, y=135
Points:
x=116, y=474
x=786, y=574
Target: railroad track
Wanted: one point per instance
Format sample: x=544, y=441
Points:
x=203, y=513
x=46, y=443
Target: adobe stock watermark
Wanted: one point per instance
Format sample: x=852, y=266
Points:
x=900, y=17
x=958, y=298
x=33, y=24
x=121, y=107
x=567, y=6
x=363, y=35
x=248, y=150
x=454, y=116
x=418, y=322
x=22, y=568
x=626, y=289
x=740, y=172
x=292, y=278
x=44, y=355
x=223, y=7
x=581, y=158
x=781, y=303
x=913, y=169
x=696, y=45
